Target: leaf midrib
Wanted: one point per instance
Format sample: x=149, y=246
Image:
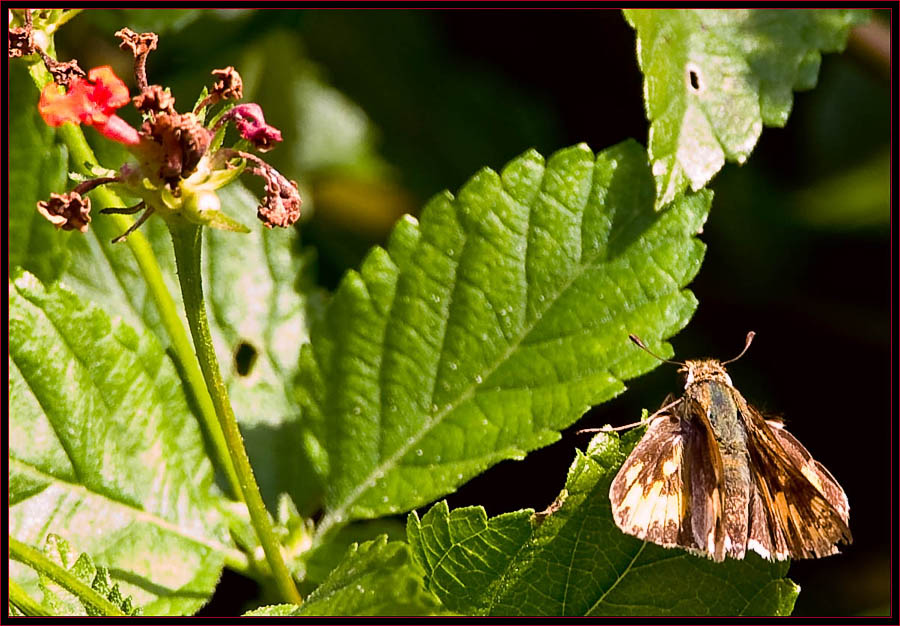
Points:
x=337, y=514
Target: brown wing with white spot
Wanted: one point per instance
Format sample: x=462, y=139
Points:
x=814, y=471
x=798, y=510
x=667, y=494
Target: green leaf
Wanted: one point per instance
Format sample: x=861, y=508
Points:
x=378, y=577
x=323, y=558
x=37, y=166
x=712, y=78
x=257, y=289
x=575, y=561
x=63, y=602
x=104, y=451
x=498, y=321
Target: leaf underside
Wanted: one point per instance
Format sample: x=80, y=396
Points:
x=104, y=452
x=712, y=78
x=492, y=324
x=576, y=561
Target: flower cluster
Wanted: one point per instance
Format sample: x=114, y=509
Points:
x=179, y=158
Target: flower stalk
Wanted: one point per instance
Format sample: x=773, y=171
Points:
x=179, y=164
x=187, y=240
x=81, y=154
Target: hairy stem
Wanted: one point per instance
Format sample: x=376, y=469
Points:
x=25, y=603
x=81, y=154
x=65, y=579
x=187, y=240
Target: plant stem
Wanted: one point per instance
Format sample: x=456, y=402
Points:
x=80, y=153
x=25, y=603
x=40, y=563
x=187, y=239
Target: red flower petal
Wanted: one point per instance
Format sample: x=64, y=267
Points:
x=119, y=130
x=91, y=101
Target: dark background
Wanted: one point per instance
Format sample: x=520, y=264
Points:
x=798, y=238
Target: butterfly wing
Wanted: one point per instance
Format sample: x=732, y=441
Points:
x=668, y=491
x=814, y=471
x=795, y=511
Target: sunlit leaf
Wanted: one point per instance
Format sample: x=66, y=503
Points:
x=576, y=561
x=713, y=77
x=479, y=334
x=374, y=578
x=104, y=452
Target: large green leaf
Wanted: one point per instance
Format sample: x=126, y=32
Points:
x=712, y=78
x=378, y=577
x=498, y=321
x=575, y=561
x=37, y=166
x=104, y=451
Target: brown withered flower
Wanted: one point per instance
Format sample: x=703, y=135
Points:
x=154, y=99
x=176, y=173
x=140, y=44
x=69, y=211
x=21, y=38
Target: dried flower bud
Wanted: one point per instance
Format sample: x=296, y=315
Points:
x=21, y=42
x=230, y=86
x=184, y=141
x=154, y=99
x=281, y=206
x=64, y=74
x=69, y=211
x=21, y=39
x=140, y=44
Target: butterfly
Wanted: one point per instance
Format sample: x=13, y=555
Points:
x=713, y=476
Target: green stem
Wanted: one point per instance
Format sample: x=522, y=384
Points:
x=81, y=154
x=81, y=157
x=25, y=603
x=65, y=579
x=187, y=239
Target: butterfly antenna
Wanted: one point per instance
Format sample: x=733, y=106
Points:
x=749, y=340
x=640, y=344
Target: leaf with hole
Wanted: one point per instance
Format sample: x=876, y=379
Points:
x=712, y=78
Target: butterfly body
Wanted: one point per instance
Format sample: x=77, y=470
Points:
x=713, y=476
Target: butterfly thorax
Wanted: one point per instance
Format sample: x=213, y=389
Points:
x=708, y=388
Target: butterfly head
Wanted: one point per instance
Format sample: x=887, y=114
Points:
x=700, y=370
x=704, y=370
